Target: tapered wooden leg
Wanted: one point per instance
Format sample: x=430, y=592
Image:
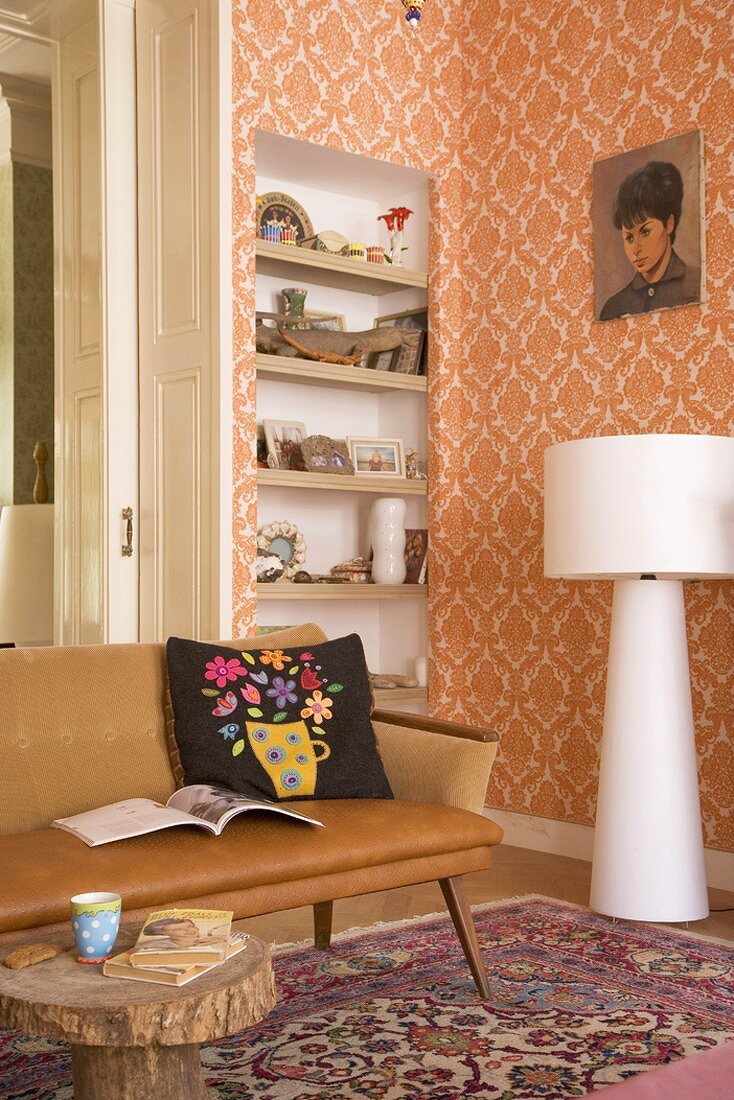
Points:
x=137, y=1073
x=458, y=907
x=322, y=913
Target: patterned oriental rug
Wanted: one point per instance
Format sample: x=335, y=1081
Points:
x=577, y=1004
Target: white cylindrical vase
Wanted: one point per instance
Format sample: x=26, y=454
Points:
x=388, y=540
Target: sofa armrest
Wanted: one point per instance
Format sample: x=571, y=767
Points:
x=430, y=760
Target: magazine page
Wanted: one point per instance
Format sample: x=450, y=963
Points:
x=217, y=805
x=131, y=817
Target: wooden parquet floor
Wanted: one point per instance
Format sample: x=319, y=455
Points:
x=516, y=871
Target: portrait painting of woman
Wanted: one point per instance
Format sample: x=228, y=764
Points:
x=648, y=247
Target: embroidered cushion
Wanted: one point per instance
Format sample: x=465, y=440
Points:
x=276, y=724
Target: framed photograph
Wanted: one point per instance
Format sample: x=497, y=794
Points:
x=384, y=457
x=332, y=321
x=381, y=360
x=414, y=320
x=262, y=449
x=323, y=455
x=648, y=228
x=416, y=553
x=283, y=439
x=283, y=541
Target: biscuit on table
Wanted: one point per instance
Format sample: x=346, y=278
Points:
x=31, y=953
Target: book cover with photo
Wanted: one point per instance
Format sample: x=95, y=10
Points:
x=183, y=937
x=121, y=967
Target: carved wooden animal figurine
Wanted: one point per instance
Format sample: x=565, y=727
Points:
x=326, y=345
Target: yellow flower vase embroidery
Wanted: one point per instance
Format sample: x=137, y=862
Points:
x=288, y=754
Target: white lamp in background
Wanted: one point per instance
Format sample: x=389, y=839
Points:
x=27, y=574
x=648, y=511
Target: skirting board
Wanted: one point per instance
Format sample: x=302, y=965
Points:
x=564, y=838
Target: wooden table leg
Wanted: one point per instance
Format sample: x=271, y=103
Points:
x=137, y=1073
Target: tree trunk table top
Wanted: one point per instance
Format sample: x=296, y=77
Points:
x=75, y=1003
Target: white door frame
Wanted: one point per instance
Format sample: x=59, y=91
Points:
x=119, y=314
x=119, y=291
x=222, y=397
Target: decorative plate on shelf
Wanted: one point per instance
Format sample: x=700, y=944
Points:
x=275, y=208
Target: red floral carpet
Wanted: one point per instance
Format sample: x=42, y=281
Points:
x=577, y=1003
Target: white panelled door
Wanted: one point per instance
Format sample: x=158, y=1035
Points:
x=79, y=489
x=95, y=222
x=176, y=331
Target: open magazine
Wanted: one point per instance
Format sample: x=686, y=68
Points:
x=200, y=804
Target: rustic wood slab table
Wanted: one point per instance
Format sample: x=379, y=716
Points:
x=133, y=1040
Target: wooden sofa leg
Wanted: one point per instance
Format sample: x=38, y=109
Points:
x=458, y=907
x=322, y=912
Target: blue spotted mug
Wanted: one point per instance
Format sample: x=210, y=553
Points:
x=95, y=922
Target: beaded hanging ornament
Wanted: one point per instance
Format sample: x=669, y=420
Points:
x=413, y=9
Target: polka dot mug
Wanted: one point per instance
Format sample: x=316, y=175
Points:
x=95, y=922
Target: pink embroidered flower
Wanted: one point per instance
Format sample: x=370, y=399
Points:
x=318, y=707
x=250, y=693
x=307, y=656
x=221, y=671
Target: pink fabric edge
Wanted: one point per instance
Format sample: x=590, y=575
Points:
x=706, y=1076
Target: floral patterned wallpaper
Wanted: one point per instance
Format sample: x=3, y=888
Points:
x=510, y=104
x=26, y=327
x=33, y=274
x=6, y=333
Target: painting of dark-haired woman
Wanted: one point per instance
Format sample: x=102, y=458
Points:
x=648, y=217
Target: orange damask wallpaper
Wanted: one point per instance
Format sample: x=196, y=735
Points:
x=509, y=103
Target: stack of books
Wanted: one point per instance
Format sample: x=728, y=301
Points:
x=177, y=945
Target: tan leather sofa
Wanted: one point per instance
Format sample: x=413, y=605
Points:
x=84, y=726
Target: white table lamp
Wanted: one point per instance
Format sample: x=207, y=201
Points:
x=27, y=574
x=648, y=511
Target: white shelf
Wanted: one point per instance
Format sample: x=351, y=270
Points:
x=350, y=483
x=386, y=698
x=349, y=194
x=309, y=373
x=287, y=590
x=283, y=260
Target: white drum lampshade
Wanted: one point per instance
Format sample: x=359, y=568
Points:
x=624, y=505
x=647, y=511
x=26, y=574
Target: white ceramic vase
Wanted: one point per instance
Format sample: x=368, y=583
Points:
x=388, y=540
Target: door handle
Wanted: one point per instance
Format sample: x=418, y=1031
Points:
x=127, y=546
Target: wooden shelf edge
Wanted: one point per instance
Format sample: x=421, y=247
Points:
x=354, y=483
x=385, y=696
x=305, y=372
x=286, y=590
x=378, y=274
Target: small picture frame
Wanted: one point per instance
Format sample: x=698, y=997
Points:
x=411, y=353
x=324, y=455
x=284, y=439
x=414, y=320
x=332, y=321
x=383, y=360
x=378, y=457
x=416, y=555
